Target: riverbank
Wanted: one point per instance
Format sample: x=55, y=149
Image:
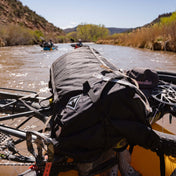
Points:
x=156, y=46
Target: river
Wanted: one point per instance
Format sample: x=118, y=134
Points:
x=27, y=67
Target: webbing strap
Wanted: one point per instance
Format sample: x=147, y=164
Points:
x=87, y=89
x=47, y=169
x=40, y=140
x=162, y=164
x=53, y=84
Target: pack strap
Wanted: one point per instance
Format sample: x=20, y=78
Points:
x=47, y=169
x=87, y=89
x=41, y=140
x=105, y=88
x=162, y=164
x=53, y=84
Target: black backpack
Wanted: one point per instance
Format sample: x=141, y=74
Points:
x=95, y=106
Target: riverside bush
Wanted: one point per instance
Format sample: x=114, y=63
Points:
x=18, y=35
x=91, y=32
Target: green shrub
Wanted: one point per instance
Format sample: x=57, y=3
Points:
x=90, y=32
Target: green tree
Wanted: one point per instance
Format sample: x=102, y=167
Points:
x=91, y=32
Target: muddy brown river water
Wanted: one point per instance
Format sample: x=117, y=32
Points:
x=27, y=67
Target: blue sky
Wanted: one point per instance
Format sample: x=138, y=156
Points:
x=111, y=13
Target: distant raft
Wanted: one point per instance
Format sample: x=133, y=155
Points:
x=49, y=48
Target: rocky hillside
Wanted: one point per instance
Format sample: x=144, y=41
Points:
x=13, y=12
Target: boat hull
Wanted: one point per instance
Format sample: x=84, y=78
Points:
x=49, y=48
x=147, y=162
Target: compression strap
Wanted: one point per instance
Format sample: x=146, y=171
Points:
x=47, y=169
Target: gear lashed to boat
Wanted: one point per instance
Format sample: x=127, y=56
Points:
x=68, y=75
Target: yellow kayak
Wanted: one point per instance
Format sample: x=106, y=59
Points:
x=147, y=162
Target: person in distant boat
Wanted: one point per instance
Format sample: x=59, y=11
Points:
x=51, y=43
x=47, y=44
x=80, y=43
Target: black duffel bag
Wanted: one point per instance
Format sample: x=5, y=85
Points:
x=95, y=107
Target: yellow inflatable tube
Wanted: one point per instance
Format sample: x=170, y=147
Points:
x=147, y=162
